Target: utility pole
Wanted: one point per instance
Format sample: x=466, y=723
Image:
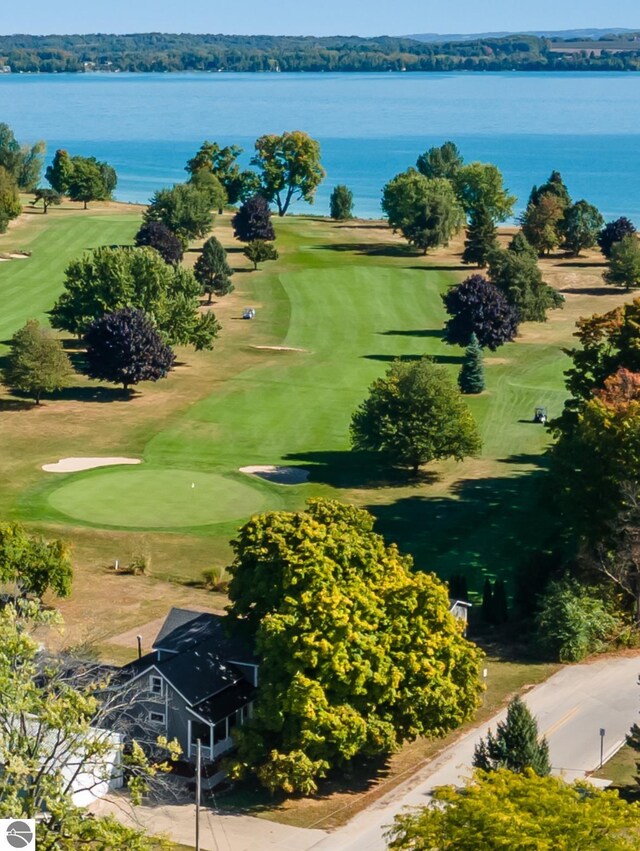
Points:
x=198, y=791
x=602, y=735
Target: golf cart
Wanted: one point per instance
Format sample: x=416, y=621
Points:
x=540, y=416
x=249, y=313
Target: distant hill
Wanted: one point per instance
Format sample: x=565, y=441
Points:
x=440, y=38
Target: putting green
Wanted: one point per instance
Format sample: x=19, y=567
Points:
x=158, y=499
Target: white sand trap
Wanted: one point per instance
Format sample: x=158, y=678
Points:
x=278, y=475
x=75, y=465
x=14, y=255
x=279, y=348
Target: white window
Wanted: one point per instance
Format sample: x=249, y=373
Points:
x=156, y=686
x=157, y=717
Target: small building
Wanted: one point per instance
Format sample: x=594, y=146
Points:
x=197, y=684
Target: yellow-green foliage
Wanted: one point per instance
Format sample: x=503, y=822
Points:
x=358, y=653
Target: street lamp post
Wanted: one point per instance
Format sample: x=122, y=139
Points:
x=602, y=735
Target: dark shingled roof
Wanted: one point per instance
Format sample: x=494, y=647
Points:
x=226, y=702
x=197, y=655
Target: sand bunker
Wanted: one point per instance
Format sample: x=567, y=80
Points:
x=278, y=475
x=14, y=255
x=279, y=348
x=75, y=465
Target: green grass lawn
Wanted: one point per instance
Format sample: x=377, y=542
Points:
x=353, y=299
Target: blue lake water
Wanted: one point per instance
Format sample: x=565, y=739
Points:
x=370, y=126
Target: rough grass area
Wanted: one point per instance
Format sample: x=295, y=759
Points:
x=353, y=298
x=622, y=771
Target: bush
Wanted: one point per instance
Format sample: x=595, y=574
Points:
x=215, y=579
x=574, y=621
x=140, y=565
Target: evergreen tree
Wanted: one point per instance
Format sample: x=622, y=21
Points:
x=212, y=270
x=487, y=601
x=458, y=589
x=471, y=377
x=341, y=203
x=500, y=613
x=515, y=745
x=481, y=237
x=555, y=185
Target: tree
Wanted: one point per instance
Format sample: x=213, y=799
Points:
x=581, y=226
x=503, y=809
x=516, y=744
x=415, y=415
x=183, y=209
x=259, y=251
x=54, y=740
x=125, y=348
x=425, y=211
x=517, y=275
x=90, y=180
x=49, y=198
x=36, y=363
x=477, y=307
x=33, y=566
x=481, y=238
x=347, y=667
x=58, y=174
x=444, y=161
x=341, y=203
x=22, y=162
x=481, y=184
x=624, y=263
x=289, y=168
x=574, y=621
x=253, y=221
x=10, y=206
x=471, y=377
x=157, y=235
x=222, y=163
x=554, y=186
x=212, y=270
x=499, y=604
x=487, y=601
x=542, y=222
x=213, y=190
x=106, y=279
x=613, y=232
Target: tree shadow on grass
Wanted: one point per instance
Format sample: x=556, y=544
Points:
x=441, y=267
x=594, y=291
x=369, y=249
x=357, y=470
x=482, y=527
x=442, y=359
x=418, y=332
x=92, y=394
x=13, y=405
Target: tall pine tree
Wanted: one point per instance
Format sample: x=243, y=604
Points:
x=516, y=745
x=212, y=270
x=471, y=377
x=481, y=237
x=487, y=601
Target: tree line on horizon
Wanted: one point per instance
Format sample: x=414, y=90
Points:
x=149, y=52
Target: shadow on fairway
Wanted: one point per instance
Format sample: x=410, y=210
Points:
x=494, y=522
x=357, y=470
x=441, y=267
x=418, y=332
x=92, y=394
x=443, y=359
x=369, y=249
x=595, y=291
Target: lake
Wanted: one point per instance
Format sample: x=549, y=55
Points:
x=371, y=126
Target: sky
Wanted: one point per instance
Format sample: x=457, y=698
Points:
x=326, y=17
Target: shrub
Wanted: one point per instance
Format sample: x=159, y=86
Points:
x=215, y=579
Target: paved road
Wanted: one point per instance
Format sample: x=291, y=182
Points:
x=571, y=708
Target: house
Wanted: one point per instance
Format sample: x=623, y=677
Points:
x=196, y=684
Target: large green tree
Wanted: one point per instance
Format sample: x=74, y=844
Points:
x=555, y=185
x=184, y=210
x=481, y=239
x=212, y=270
x=441, y=161
x=107, y=279
x=81, y=178
x=10, y=206
x=503, y=810
x=424, y=210
x=23, y=162
x=222, y=162
x=211, y=187
x=36, y=363
x=516, y=744
x=581, y=226
x=341, y=203
x=542, y=222
x=624, y=263
x=357, y=652
x=31, y=566
x=414, y=415
x=289, y=167
x=517, y=274
x=479, y=184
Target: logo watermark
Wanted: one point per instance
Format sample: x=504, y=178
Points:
x=17, y=833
